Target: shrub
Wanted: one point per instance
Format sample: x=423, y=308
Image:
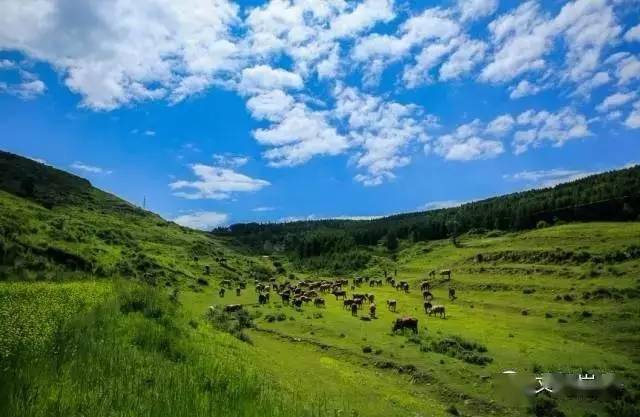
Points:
x=367, y=349
x=542, y=224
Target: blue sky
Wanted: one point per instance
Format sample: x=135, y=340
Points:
x=218, y=111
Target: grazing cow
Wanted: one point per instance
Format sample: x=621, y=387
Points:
x=372, y=283
x=297, y=303
x=425, y=286
x=238, y=292
x=311, y=294
x=406, y=323
x=438, y=310
x=432, y=273
x=427, y=307
x=259, y=287
x=346, y=304
x=354, y=309
x=263, y=298
x=357, y=302
x=391, y=305
x=427, y=296
x=319, y=302
x=372, y=311
x=388, y=280
x=446, y=272
x=231, y=308
x=452, y=294
x=371, y=297
x=339, y=294
x=305, y=298
x=221, y=292
x=286, y=296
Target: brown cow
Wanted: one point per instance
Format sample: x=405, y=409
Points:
x=339, y=294
x=406, y=323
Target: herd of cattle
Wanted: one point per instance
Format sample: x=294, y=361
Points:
x=305, y=292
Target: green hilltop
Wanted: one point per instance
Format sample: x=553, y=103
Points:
x=109, y=310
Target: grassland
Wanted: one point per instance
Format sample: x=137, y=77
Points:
x=104, y=311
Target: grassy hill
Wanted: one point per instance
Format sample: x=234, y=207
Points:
x=104, y=310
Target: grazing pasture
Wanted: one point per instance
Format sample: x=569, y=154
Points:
x=457, y=358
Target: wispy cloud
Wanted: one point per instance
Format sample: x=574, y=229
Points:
x=263, y=209
x=441, y=204
x=92, y=169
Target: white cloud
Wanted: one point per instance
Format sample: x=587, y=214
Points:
x=298, y=133
x=548, y=178
x=215, y=183
x=25, y=90
x=264, y=78
x=523, y=89
x=467, y=149
x=202, y=220
x=80, y=166
x=633, y=34
x=633, y=120
x=263, y=209
x=525, y=36
x=476, y=9
x=542, y=126
x=441, y=204
x=117, y=52
x=501, y=125
x=615, y=100
x=599, y=79
x=149, y=133
x=628, y=69
x=6, y=64
x=383, y=132
x=464, y=59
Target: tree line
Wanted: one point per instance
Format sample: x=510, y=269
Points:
x=610, y=196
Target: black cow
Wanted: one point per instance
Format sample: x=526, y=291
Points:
x=406, y=323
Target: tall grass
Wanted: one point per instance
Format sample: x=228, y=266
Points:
x=135, y=356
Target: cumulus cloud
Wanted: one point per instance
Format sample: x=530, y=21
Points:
x=633, y=120
x=118, y=52
x=633, y=34
x=25, y=90
x=215, y=183
x=536, y=128
x=264, y=78
x=523, y=89
x=466, y=144
x=501, y=125
x=615, y=100
x=202, y=220
x=383, y=132
x=91, y=169
x=476, y=9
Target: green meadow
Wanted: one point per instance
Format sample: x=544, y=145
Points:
x=108, y=310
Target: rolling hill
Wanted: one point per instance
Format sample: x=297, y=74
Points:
x=105, y=308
